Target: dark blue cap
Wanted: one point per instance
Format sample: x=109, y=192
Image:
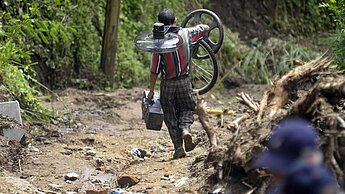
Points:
x=289, y=142
x=310, y=179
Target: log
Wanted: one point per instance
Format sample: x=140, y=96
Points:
x=283, y=89
x=331, y=89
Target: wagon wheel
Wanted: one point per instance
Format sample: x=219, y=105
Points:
x=211, y=37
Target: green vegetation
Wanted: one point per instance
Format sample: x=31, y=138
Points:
x=16, y=79
x=338, y=8
x=260, y=61
x=54, y=43
x=48, y=40
x=301, y=17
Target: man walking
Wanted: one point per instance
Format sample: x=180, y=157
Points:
x=176, y=92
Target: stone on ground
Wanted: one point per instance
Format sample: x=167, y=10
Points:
x=12, y=110
x=127, y=181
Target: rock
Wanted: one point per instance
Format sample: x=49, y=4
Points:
x=96, y=191
x=55, y=134
x=88, y=148
x=40, y=139
x=95, y=180
x=158, y=149
x=166, y=177
x=33, y=149
x=182, y=181
x=139, y=152
x=47, y=142
x=90, y=153
x=72, y=176
x=88, y=140
x=11, y=109
x=67, y=152
x=13, y=133
x=118, y=191
x=99, y=162
x=71, y=192
x=101, y=168
x=127, y=181
x=55, y=187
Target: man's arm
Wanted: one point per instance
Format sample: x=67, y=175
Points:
x=197, y=32
x=155, y=69
x=153, y=79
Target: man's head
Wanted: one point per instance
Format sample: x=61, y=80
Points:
x=294, y=140
x=166, y=16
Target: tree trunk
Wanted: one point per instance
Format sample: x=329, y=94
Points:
x=110, y=38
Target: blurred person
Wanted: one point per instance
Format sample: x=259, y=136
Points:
x=176, y=92
x=293, y=141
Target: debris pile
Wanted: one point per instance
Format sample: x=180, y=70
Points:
x=314, y=91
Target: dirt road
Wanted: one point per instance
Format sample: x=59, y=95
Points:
x=96, y=139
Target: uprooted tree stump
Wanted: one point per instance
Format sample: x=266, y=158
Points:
x=314, y=91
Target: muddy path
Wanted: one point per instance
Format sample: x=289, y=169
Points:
x=96, y=138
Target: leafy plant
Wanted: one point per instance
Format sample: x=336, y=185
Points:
x=17, y=82
x=338, y=8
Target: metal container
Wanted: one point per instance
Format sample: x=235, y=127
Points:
x=152, y=112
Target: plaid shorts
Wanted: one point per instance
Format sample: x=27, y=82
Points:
x=178, y=103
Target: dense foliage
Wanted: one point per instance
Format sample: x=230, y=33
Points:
x=51, y=41
x=338, y=8
x=301, y=16
x=58, y=43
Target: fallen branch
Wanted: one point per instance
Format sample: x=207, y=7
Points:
x=201, y=111
x=262, y=106
x=245, y=99
x=235, y=123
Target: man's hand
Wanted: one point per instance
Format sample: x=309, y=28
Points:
x=150, y=95
x=205, y=27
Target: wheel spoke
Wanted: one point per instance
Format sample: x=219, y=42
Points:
x=202, y=77
x=197, y=74
x=213, y=25
x=204, y=70
x=197, y=17
x=197, y=81
x=203, y=82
